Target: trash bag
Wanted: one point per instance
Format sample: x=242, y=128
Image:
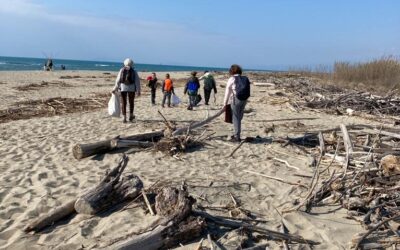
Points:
x=228, y=113
x=113, y=106
x=175, y=100
x=198, y=99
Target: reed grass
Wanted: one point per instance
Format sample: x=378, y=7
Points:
x=381, y=73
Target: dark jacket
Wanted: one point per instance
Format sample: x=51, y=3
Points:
x=192, y=79
x=209, y=83
x=152, y=83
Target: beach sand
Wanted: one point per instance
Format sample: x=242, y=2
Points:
x=39, y=172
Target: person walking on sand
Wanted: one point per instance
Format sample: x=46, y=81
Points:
x=236, y=94
x=209, y=85
x=128, y=83
x=168, y=90
x=152, y=84
x=191, y=88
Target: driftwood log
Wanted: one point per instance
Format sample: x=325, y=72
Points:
x=124, y=143
x=113, y=189
x=51, y=217
x=141, y=140
x=85, y=150
x=176, y=226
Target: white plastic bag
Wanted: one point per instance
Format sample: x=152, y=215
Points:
x=175, y=100
x=113, y=106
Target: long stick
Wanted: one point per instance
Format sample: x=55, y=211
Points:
x=313, y=184
x=146, y=200
x=167, y=123
x=276, y=179
x=237, y=147
x=374, y=228
x=321, y=143
x=286, y=163
x=198, y=124
x=271, y=233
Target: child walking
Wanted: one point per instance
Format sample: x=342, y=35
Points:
x=168, y=90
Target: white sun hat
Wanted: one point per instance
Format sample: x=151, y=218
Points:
x=128, y=62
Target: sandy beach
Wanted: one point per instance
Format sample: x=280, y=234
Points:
x=39, y=172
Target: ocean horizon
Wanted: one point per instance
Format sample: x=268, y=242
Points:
x=27, y=63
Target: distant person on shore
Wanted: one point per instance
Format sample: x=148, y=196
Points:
x=236, y=94
x=168, y=90
x=152, y=84
x=209, y=85
x=128, y=83
x=49, y=65
x=191, y=88
x=62, y=67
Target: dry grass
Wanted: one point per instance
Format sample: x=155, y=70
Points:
x=381, y=73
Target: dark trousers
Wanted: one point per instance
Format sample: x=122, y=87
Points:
x=128, y=96
x=192, y=101
x=207, y=94
x=153, y=96
x=167, y=96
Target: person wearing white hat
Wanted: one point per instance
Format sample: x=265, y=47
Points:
x=128, y=83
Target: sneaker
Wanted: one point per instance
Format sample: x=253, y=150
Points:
x=131, y=118
x=234, y=139
x=124, y=120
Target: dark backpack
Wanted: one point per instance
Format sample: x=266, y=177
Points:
x=128, y=76
x=209, y=83
x=192, y=87
x=242, y=87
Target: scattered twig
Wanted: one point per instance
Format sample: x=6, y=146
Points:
x=276, y=178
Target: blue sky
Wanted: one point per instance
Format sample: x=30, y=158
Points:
x=254, y=33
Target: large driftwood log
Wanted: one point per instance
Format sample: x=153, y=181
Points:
x=84, y=150
x=113, y=189
x=123, y=143
x=176, y=227
x=346, y=139
x=51, y=217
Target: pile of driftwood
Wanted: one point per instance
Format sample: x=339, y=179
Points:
x=179, y=222
x=52, y=107
x=171, y=140
x=358, y=167
x=43, y=84
x=308, y=92
x=358, y=101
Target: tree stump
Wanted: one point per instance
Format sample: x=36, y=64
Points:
x=173, y=204
x=176, y=227
x=113, y=189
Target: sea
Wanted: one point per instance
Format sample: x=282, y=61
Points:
x=21, y=63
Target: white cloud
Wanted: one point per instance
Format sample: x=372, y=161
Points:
x=92, y=36
x=21, y=7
